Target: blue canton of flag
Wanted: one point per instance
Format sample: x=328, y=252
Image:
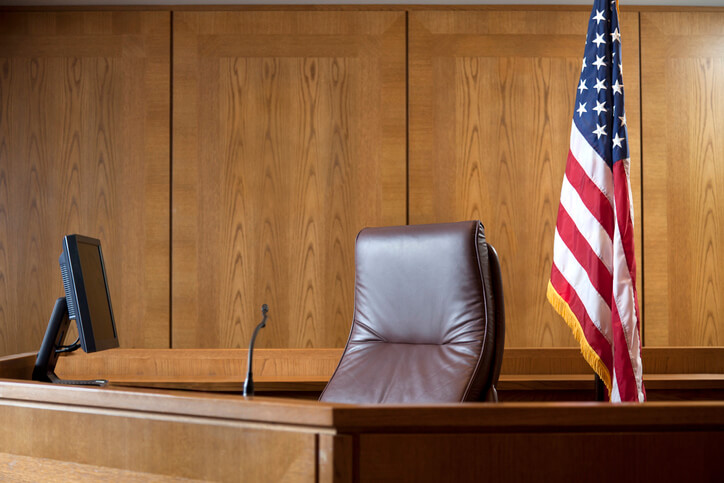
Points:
x=600, y=114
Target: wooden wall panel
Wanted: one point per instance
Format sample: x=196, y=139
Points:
x=491, y=105
x=682, y=80
x=84, y=148
x=289, y=137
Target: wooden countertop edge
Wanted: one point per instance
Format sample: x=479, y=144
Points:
x=226, y=407
x=326, y=417
x=515, y=417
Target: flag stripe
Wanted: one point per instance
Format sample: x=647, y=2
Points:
x=623, y=216
x=591, y=196
x=599, y=274
x=592, y=164
x=622, y=362
x=625, y=293
x=595, y=338
x=615, y=394
x=597, y=308
x=599, y=240
x=624, y=311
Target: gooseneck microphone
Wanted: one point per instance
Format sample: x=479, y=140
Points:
x=249, y=382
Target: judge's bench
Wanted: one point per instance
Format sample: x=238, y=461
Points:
x=169, y=414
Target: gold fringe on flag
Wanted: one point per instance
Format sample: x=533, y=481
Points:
x=564, y=310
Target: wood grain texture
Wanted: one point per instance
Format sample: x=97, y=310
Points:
x=335, y=458
x=209, y=449
x=289, y=137
x=683, y=97
x=656, y=360
x=18, y=366
x=218, y=437
x=317, y=363
x=528, y=457
x=284, y=413
x=84, y=148
x=527, y=374
x=491, y=104
x=281, y=414
x=321, y=363
x=14, y=468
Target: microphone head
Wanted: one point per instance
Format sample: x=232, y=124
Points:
x=264, y=310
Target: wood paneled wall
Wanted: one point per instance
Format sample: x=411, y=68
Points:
x=84, y=148
x=289, y=138
x=293, y=129
x=491, y=103
x=683, y=141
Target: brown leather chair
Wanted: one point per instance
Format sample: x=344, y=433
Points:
x=429, y=324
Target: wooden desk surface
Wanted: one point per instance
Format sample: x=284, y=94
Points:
x=230, y=438
x=375, y=418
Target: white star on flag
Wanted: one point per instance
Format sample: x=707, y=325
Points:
x=600, y=131
x=617, y=87
x=615, y=35
x=600, y=84
x=617, y=140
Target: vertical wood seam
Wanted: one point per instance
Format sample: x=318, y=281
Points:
x=317, y=447
x=170, y=185
x=407, y=117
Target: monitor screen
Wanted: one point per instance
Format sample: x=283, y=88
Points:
x=99, y=301
x=87, y=294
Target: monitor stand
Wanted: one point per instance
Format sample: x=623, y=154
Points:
x=58, y=325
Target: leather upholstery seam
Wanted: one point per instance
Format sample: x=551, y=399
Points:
x=372, y=331
x=415, y=343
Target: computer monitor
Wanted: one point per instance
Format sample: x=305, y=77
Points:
x=87, y=301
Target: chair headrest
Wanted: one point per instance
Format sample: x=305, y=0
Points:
x=421, y=284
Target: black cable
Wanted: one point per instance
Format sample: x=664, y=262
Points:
x=71, y=345
x=69, y=348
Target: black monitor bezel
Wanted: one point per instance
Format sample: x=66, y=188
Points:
x=78, y=296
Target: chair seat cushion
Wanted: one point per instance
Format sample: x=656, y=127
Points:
x=374, y=372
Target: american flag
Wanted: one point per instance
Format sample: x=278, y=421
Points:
x=593, y=277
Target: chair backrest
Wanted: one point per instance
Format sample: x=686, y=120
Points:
x=428, y=319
